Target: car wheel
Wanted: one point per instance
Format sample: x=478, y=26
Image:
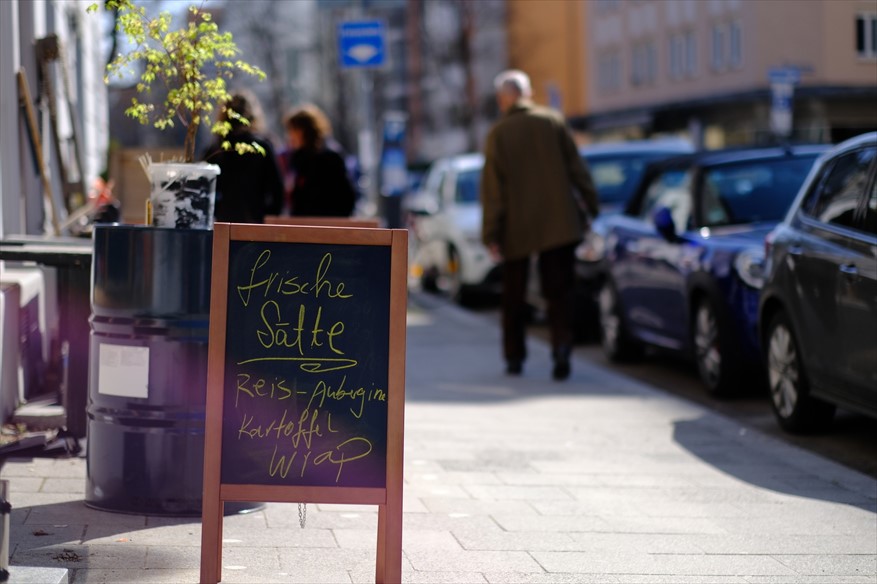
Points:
x=794, y=408
x=451, y=279
x=429, y=281
x=618, y=345
x=712, y=350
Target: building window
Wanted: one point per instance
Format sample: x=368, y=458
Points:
x=735, y=45
x=866, y=35
x=690, y=54
x=644, y=64
x=677, y=53
x=608, y=5
x=683, y=55
x=615, y=71
x=638, y=65
x=718, y=50
x=727, y=46
x=651, y=62
x=609, y=71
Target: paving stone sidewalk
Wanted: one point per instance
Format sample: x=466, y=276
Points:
x=507, y=480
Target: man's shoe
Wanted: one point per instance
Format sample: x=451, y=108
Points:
x=561, y=370
x=561, y=363
x=514, y=367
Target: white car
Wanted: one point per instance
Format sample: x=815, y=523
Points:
x=445, y=220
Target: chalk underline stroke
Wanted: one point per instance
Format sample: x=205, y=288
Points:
x=310, y=364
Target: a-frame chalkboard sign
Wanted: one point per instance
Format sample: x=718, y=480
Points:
x=306, y=376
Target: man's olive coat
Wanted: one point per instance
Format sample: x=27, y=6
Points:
x=531, y=166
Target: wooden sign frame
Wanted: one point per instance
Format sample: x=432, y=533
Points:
x=388, y=567
x=322, y=221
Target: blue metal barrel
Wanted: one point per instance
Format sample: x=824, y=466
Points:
x=150, y=300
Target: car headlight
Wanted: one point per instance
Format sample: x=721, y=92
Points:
x=592, y=249
x=749, y=265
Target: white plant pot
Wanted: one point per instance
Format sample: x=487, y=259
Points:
x=183, y=194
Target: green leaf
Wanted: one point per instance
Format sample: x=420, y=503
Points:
x=192, y=62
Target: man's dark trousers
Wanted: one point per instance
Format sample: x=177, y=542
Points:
x=556, y=275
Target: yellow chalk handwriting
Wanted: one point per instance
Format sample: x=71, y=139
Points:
x=276, y=332
x=340, y=457
x=284, y=284
x=256, y=387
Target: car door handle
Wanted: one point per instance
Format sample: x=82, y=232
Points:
x=849, y=269
x=795, y=250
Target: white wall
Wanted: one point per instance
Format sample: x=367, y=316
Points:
x=21, y=23
x=10, y=182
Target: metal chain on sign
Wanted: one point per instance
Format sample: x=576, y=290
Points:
x=302, y=514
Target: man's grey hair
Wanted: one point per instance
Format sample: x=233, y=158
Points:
x=513, y=82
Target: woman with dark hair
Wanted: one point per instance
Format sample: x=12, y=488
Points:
x=321, y=186
x=249, y=185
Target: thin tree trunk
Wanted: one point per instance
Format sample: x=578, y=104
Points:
x=189, y=144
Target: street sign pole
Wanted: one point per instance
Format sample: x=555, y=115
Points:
x=367, y=150
x=782, y=90
x=362, y=48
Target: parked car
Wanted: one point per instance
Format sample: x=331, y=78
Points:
x=445, y=219
x=818, y=315
x=684, y=260
x=617, y=169
x=446, y=223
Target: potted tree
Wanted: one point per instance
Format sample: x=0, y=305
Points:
x=192, y=64
x=150, y=285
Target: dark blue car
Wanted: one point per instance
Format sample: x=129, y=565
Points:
x=617, y=168
x=684, y=260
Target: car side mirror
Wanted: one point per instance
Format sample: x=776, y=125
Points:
x=663, y=220
x=421, y=205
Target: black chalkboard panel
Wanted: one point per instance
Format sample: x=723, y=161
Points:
x=306, y=366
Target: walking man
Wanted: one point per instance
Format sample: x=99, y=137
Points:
x=530, y=208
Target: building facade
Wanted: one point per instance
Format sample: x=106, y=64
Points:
x=55, y=47
x=547, y=40
x=706, y=67
x=22, y=23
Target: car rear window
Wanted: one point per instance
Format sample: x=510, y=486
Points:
x=616, y=176
x=752, y=191
x=468, y=183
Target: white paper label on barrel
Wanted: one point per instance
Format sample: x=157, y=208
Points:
x=123, y=371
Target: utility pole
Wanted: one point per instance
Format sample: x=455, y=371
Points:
x=467, y=33
x=413, y=33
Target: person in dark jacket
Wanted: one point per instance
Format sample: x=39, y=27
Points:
x=321, y=185
x=249, y=185
x=536, y=196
